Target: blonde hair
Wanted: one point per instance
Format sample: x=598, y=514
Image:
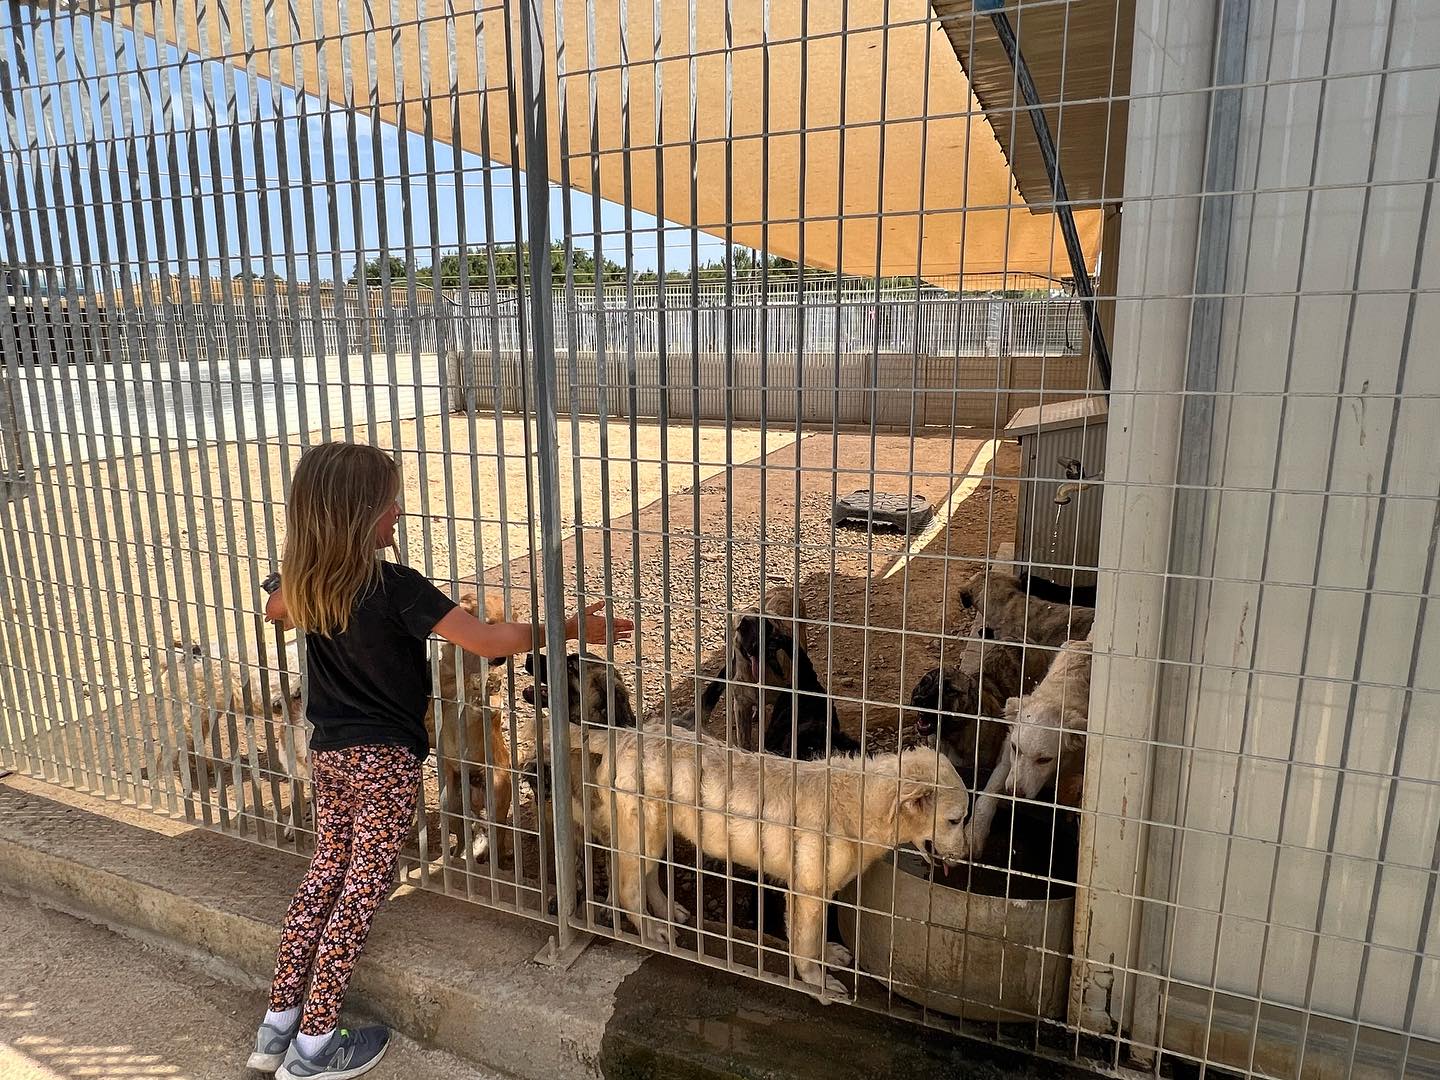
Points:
x=337, y=497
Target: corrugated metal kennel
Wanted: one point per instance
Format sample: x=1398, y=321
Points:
x=1062, y=462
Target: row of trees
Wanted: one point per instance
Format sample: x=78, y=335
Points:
x=510, y=266
x=510, y=262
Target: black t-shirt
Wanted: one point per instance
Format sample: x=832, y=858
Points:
x=371, y=683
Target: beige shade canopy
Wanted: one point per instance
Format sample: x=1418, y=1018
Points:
x=836, y=150
x=1079, y=57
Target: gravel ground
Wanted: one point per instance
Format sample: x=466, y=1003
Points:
x=79, y=1001
x=653, y=570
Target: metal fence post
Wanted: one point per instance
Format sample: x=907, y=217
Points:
x=542, y=354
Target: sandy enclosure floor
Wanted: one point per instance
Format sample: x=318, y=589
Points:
x=107, y=562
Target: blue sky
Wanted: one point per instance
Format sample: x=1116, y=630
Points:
x=221, y=155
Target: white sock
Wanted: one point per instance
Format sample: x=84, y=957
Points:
x=310, y=1045
x=283, y=1020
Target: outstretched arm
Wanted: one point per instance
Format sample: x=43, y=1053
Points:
x=490, y=640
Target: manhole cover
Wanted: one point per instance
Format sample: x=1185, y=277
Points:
x=871, y=508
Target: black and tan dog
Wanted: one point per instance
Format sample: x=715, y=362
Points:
x=1003, y=603
x=777, y=702
x=470, y=745
x=963, y=704
x=593, y=696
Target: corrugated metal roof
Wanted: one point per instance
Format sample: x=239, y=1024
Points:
x=922, y=186
x=1078, y=52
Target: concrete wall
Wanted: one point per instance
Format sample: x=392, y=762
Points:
x=979, y=392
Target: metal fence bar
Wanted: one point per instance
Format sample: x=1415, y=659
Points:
x=533, y=68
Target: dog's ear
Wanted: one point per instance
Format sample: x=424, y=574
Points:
x=469, y=602
x=916, y=801
x=1072, y=742
x=785, y=659
x=1012, y=709
x=926, y=693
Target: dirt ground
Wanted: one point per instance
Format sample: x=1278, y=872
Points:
x=79, y=1001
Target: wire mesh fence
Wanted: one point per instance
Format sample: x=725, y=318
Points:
x=1054, y=667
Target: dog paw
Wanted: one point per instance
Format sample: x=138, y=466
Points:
x=656, y=934
x=825, y=988
x=682, y=914
x=838, y=956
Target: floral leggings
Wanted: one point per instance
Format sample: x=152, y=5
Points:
x=364, y=809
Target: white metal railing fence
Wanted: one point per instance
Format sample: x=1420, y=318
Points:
x=310, y=322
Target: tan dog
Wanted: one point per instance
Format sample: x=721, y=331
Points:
x=1047, y=733
x=597, y=698
x=807, y=831
x=1002, y=606
x=471, y=741
x=286, y=708
x=192, y=689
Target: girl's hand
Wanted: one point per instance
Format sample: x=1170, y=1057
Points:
x=276, y=612
x=596, y=625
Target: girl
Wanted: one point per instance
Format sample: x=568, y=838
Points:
x=366, y=623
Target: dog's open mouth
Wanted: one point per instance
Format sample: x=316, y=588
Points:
x=931, y=856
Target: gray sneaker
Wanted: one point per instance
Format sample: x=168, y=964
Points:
x=270, y=1046
x=348, y=1053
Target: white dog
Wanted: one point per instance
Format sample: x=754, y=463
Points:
x=174, y=722
x=1047, y=733
x=814, y=825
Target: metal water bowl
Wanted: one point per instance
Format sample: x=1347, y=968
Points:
x=969, y=954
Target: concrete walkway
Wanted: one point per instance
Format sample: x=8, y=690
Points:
x=81, y=1001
